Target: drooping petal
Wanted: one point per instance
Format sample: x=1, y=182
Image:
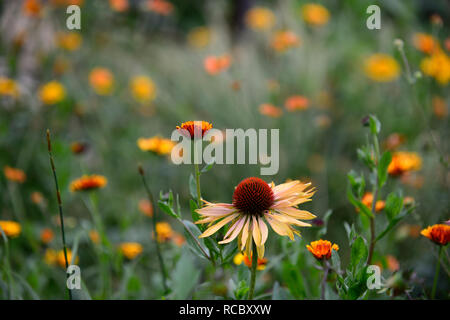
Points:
x=234, y=231
x=244, y=234
x=256, y=232
x=264, y=230
x=218, y=225
x=290, y=220
x=279, y=227
x=296, y=213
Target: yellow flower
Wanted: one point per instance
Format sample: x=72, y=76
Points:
x=69, y=41
x=61, y=260
x=189, y=128
x=255, y=201
x=164, y=231
x=199, y=37
x=130, y=249
x=284, y=40
x=14, y=174
x=260, y=18
x=101, y=80
x=156, y=144
x=143, y=89
x=437, y=66
x=438, y=233
x=382, y=68
x=94, y=236
x=10, y=228
x=321, y=249
x=8, y=87
x=88, y=183
x=404, y=162
x=52, y=92
x=260, y=264
x=425, y=42
x=315, y=14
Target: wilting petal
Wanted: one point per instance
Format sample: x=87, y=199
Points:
x=290, y=220
x=244, y=234
x=264, y=231
x=296, y=213
x=218, y=225
x=260, y=249
x=256, y=232
x=234, y=231
x=280, y=228
x=215, y=211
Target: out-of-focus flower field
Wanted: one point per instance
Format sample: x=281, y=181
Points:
x=362, y=114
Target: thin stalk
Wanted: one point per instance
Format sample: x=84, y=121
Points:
x=58, y=197
x=373, y=238
x=198, y=243
x=158, y=249
x=324, y=280
x=7, y=264
x=197, y=181
x=436, y=275
x=253, y=272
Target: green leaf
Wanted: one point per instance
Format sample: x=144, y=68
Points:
x=194, y=214
x=382, y=168
x=167, y=209
x=364, y=155
x=325, y=219
x=394, y=205
x=359, y=252
x=193, y=186
x=358, y=204
x=374, y=125
x=207, y=167
x=184, y=277
x=192, y=243
x=280, y=293
x=335, y=261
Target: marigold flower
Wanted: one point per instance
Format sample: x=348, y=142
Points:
x=88, y=182
x=161, y=7
x=440, y=109
x=52, y=92
x=367, y=200
x=143, y=89
x=15, y=175
x=270, y=110
x=61, y=260
x=315, y=14
x=217, y=64
x=260, y=18
x=284, y=40
x=192, y=127
x=437, y=66
x=404, y=162
x=425, y=42
x=47, y=235
x=381, y=67
x=119, y=5
x=321, y=249
x=145, y=207
x=8, y=87
x=130, y=249
x=199, y=37
x=94, y=236
x=296, y=102
x=69, y=41
x=32, y=8
x=101, y=80
x=254, y=201
x=11, y=229
x=438, y=233
x=164, y=232
x=156, y=145
x=78, y=147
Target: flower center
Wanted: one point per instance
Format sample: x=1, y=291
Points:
x=253, y=196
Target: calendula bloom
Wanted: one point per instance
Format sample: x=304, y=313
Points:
x=199, y=37
x=321, y=249
x=315, y=14
x=130, y=249
x=425, y=42
x=440, y=109
x=78, y=147
x=240, y=258
x=156, y=145
x=394, y=140
x=32, y=8
x=296, y=102
x=101, y=80
x=403, y=162
x=164, y=232
x=143, y=89
x=69, y=41
x=8, y=87
x=146, y=208
x=88, y=182
x=161, y=7
x=47, y=235
x=438, y=233
x=381, y=67
x=61, y=260
x=192, y=127
x=270, y=110
x=52, y=92
x=437, y=66
x=367, y=200
x=217, y=64
x=284, y=40
x=255, y=201
x=11, y=229
x=260, y=18
x=119, y=5
x=14, y=174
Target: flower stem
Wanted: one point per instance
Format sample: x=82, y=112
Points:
x=196, y=240
x=436, y=275
x=197, y=182
x=324, y=280
x=253, y=272
x=158, y=249
x=58, y=196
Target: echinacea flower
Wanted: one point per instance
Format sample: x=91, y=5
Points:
x=381, y=67
x=194, y=129
x=199, y=37
x=101, y=80
x=88, y=182
x=315, y=14
x=321, y=249
x=425, y=42
x=403, y=162
x=69, y=41
x=52, y=92
x=296, y=102
x=260, y=18
x=130, y=249
x=270, y=110
x=217, y=64
x=8, y=87
x=438, y=233
x=14, y=174
x=256, y=201
x=164, y=231
x=143, y=89
x=243, y=258
x=156, y=145
x=11, y=228
x=47, y=235
x=284, y=40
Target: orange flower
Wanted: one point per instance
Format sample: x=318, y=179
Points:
x=438, y=233
x=296, y=103
x=164, y=232
x=143, y=89
x=261, y=263
x=394, y=141
x=69, y=41
x=437, y=66
x=47, y=235
x=37, y=197
x=87, y=182
x=260, y=18
x=146, y=207
x=130, y=249
x=217, y=64
x=13, y=174
x=404, y=162
x=367, y=200
x=118, y=5
x=101, y=80
x=12, y=229
x=94, y=236
x=8, y=87
x=178, y=239
x=32, y=8
x=315, y=14
x=284, y=40
x=156, y=145
x=392, y=263
x=61, y=260
x=161, y=7
x=52, y=92
x=78, y=147
x=440, y=109
x=270, y=110
x=381, y=67
x=425, y=42
x=322, y=249
x=192, y=127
